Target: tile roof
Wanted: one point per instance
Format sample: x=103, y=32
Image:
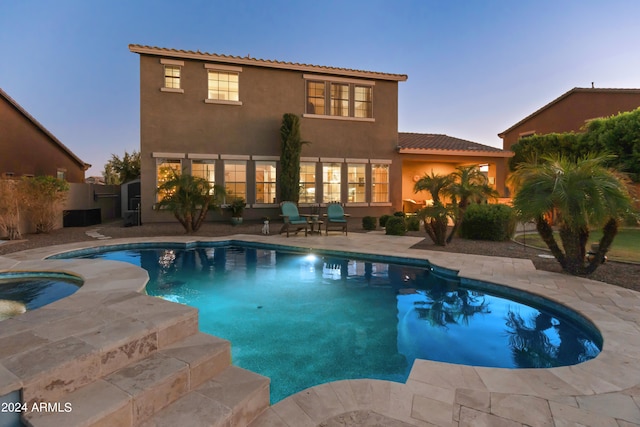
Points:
x=248, y=60
x=44, y=130
x=565, y=95
x=432, y=141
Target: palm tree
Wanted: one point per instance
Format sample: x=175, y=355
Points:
x=470, y=185
x=582, y=194
x=189, y=198
x=435, y=217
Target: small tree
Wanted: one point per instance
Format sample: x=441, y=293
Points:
x=291, y=147
x=189, y=198
x=120, y=170
x=582, y=194
x=43, y=197
x=469, y=185
x=435, y=217
x=10, y=198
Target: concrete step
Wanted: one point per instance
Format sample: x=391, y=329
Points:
x=100, y=404
x=117, y=335
x=135, y=392
x=205, y=355
x=233, y=398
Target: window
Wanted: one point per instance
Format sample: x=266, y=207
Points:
x=356, y=183
x=331, y=182
x=332, y=97
x=363, y=102
x=379, y=183
x=307, y=182
x=205, y=169
x=339, y=99
x=172, y=76
x=235, y=178
x=265, y=182
x=61, y=174
x=223, y=85
x=164, y=171
x=315, y=97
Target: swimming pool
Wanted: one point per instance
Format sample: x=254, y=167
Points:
x=20, y=292
x=304, y=319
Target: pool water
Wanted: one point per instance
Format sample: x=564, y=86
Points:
x=21, y=292
x=303, y=319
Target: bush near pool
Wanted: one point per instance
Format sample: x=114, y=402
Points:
x=488, y=222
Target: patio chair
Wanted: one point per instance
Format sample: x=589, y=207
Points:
x=292, y=218
x=336, y=217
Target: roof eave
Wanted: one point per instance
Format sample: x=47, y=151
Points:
x=440, y=152
x=149, y=50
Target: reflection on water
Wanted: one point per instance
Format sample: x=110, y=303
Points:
x=304, y=319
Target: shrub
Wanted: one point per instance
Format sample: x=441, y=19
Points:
x=43, y=198
x=383, y=220
x=413, y=223
x=369, y=222
x=488, y=222
x=10, y=205
x=399, y=213
x=396, y=226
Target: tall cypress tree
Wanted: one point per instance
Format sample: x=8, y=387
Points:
x=291, y=147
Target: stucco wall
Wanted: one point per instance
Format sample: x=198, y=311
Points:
x=184, y=124
x=26, y=150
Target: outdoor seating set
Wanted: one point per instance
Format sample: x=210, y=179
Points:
x=335, y=218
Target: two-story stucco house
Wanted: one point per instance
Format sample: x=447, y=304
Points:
x=219, y=117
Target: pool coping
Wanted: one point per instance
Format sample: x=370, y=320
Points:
x=615, y=371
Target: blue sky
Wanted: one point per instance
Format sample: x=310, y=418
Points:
x=475, y=67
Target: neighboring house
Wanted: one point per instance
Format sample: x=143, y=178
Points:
x=28, y=149
x=571, y=111
x=219, y=117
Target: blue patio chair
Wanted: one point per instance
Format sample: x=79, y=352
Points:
x=292, y=218
x=336, y=218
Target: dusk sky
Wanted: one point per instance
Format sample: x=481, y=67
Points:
x=475, y=67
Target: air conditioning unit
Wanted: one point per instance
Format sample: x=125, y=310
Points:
x=131, y=218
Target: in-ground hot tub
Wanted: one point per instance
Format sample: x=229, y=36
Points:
x=24, y=291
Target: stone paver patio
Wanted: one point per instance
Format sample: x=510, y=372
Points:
x=604, y=391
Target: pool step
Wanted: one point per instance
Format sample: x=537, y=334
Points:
x=234, y=398
x=119, y=334
x=133, y=394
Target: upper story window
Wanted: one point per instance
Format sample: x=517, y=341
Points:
x=339, y=98
x=363, y=101
x=172, y=75
x=223, y=84
x=315, y=97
